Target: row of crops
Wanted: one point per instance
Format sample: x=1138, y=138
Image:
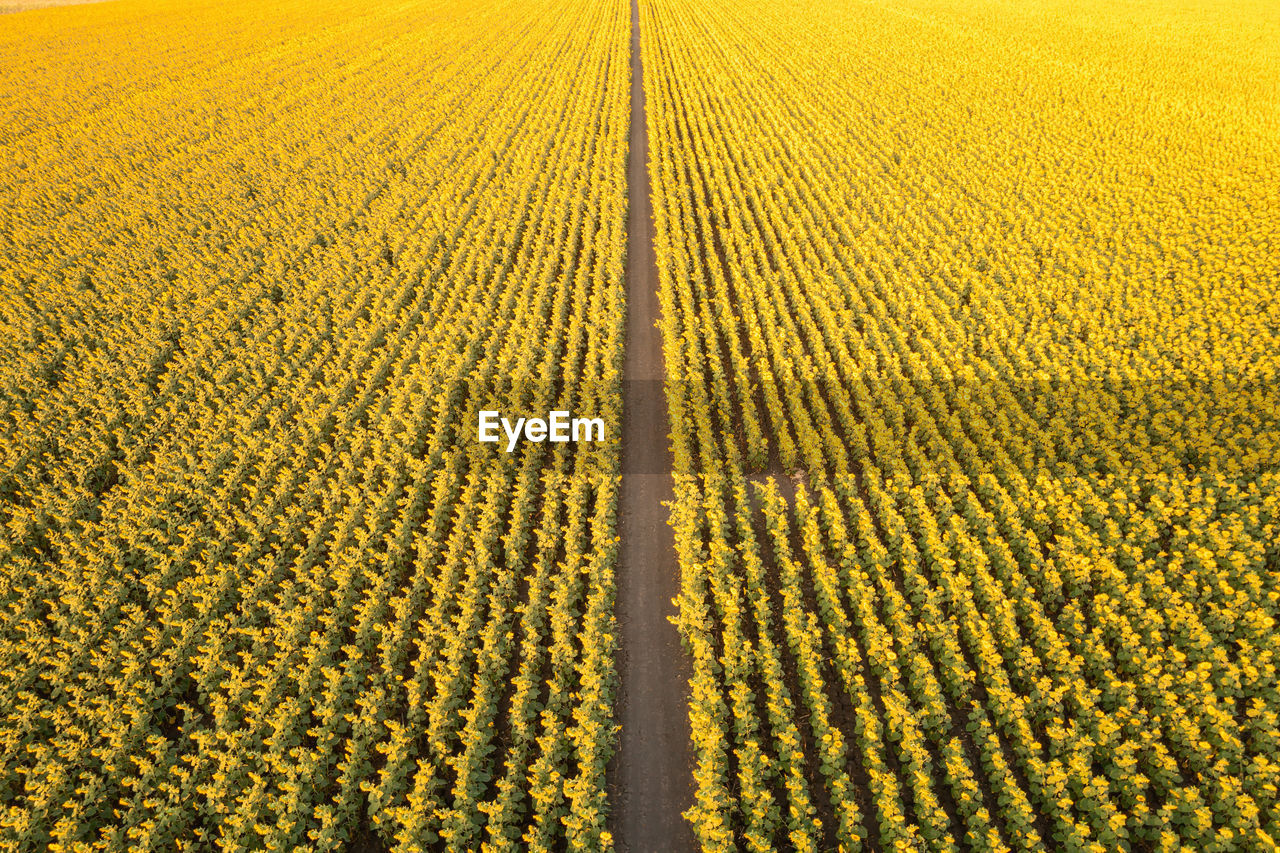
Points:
x=971, y=342
x=260, y=267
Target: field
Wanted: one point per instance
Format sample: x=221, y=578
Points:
x=971, y=340
x=259, y=590
x=25, y=5
x=935, y=344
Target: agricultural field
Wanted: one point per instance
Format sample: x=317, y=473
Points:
x=261, y=589
x=26, y=5
x=972, y=343
x=934, y=344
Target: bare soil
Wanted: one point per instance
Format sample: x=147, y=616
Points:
x=652, y=773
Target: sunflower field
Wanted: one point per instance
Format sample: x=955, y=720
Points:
x=260, y=589
x=972, y=342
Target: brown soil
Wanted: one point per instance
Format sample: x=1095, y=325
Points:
x=652, y=774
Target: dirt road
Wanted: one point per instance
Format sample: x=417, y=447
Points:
x=652, y=774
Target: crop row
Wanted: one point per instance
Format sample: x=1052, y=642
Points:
x=975, y=437
x=262, y=590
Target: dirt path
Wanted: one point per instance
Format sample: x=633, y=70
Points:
x=652, y=774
